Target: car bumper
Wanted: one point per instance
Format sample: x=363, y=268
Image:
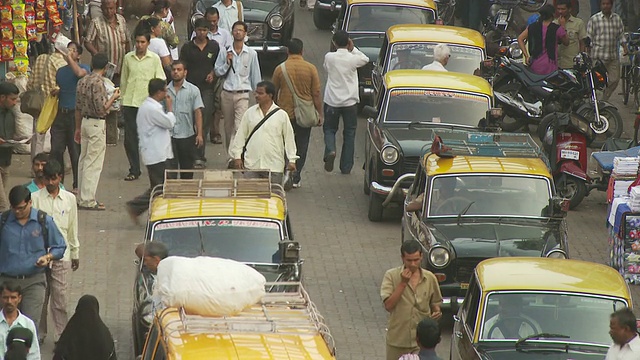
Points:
x=386, y=190
x=266, y=48
x=452, y=296
x=332, y=6
x=366, y=91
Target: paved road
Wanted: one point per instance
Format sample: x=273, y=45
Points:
x=346, y=255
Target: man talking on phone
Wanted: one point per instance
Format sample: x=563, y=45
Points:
x=410, y=294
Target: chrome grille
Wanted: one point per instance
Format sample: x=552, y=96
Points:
x=256, y=31
x=465, y=268
x=410, y=164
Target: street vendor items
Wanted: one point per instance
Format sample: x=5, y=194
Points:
x=634, y=198
x=625, y=165
x=208, y=286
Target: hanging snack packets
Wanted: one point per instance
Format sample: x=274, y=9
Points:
x=20, y=48
x=32, y=33
x=13, y=2
x=40, y=14
x=52, y=9
x=51, y=3
x=22, y=65
x=41, y=26
x=40, y=4
x=29, y=5
x=18, y=12
x=7, y=50
x=5, y=14
x=31, y=17
x=20, y=30
x=7, y=32
x=55, y=20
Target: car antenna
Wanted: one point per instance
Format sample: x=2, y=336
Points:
x=201, y=239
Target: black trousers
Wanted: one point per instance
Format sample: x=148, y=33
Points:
x=62, y=131
x=184, y=155
x=156, y=176
x=131, y=139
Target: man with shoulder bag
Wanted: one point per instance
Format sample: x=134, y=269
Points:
x=265, y=139
x=298, y=87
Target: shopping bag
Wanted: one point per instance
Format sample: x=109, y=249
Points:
x=48, y=114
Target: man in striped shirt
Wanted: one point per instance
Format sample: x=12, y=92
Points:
x=108, y=34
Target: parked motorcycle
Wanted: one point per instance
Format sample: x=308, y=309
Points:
x=498, y=28
x=527, y=97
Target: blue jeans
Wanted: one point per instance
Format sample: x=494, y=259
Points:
x=331, y=121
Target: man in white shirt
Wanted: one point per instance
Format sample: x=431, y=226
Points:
x=623, y=330
x=441, y=55
x=241, y=71
x=11, y=317
x=231, y=11
x=341, y=98
x=154, y=130
x=270, y=143
x=61, y=206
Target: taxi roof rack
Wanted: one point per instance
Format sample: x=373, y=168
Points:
x=286, y=309
x=449, y=143
x=219, y=184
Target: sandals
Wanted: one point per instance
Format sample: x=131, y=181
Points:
x=131, y=177
x=97, y=207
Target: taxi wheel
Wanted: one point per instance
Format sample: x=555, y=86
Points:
x=375, y=207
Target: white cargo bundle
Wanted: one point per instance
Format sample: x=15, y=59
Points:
x=208, y=286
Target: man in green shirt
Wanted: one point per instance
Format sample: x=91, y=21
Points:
x=576, y=31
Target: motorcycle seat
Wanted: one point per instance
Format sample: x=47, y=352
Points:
x=530, y=75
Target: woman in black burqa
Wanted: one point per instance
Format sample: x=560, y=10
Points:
x=85, y=336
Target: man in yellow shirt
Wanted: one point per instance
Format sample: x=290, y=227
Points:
x=138, y=67
x=576, y=31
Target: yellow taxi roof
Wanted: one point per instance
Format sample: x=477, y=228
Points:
x=419, y=3
x=438, y=80
x=436, y=34
x=520, y=273
x=271, y=208
x=436, y=165
x=239, y=345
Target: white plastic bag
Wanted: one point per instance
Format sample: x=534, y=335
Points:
x=208, y=286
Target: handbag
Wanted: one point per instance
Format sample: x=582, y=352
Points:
x=246, y=142
x=31, y=101
x=47, y=114
x=304, y=110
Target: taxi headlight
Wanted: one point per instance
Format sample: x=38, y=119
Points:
x=275, y=22
x=389, y=155
x=557, y=254
x=439, y=257
x=515, y=51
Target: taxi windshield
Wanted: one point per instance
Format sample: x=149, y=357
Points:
x=252, y=241
x=489, y=195
x=571, y=317
x=464, y=59
x=378, y=18
x=436, y=106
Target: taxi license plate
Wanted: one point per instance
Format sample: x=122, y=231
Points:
x=464, y=286
x=367, y=82
x=569, y=154
x=502, y=18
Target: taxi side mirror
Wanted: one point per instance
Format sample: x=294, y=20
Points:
x=559, y=207
x=370, y=111
x=289, y=251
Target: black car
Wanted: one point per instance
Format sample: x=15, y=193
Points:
x=269, y=22
x=410, y=105
x=222, y=216
x=367, y=21
x=325, y=13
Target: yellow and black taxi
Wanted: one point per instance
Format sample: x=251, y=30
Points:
x=284, y=325
x=237, y=215
x=528, y=308
x=366, y=21
x=411, y=105
x=479, y=195
x=410, y=46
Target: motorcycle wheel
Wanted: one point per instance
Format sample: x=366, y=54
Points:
x=572, y=188
x=615, y=124
x=508, y=123
x=532, y=5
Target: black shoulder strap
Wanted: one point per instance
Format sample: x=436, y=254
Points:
x=3, y=219
x=42, y=220
x=246, y=142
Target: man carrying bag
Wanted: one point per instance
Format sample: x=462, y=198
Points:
x=298, y=88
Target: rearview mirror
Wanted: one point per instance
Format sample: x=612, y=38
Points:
x=370, y=111
x=289, y=251
x=559, y=206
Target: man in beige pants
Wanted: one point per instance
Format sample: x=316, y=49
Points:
x=92, y=107
x=241, y=71
x=61, y=205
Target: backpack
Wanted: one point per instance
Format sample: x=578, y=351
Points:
x=42, y=220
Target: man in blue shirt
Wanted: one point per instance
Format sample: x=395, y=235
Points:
x=63, y=126
x=24, y=253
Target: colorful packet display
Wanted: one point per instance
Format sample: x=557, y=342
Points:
x=7, y=50
x=41, y=26
x=56, y=20
x=18, y=12
x=30, y=17
x=7, y=32
x=52, y=9
x=22, y=66
x=32, y=33
x=20, y=48
x=41, y=4
x=41, y=14
x=5, y=14
x=13, y=2
x=20, y=30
